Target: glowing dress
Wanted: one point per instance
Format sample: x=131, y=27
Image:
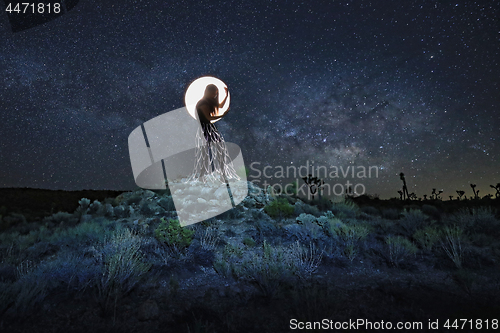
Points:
x=210, y=147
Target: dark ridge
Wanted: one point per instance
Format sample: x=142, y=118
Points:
x=44, y=202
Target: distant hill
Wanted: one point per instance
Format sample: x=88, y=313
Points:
x=43, y=202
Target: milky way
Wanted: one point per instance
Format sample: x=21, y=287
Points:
x=407, y=86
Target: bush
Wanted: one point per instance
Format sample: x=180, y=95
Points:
x=452, y=244
x=209, y=239
x=431, y=211
x=269, y=268
x=123, y=267
x=305, y=218
x=230, y=214
x=167, y=203
x=61, y=217
x=279, y=208
x=323, y=204
x=83, y=208
x=348, y=235
x=173, y=235
x=87, y=233
x=427, y=237
x=412, y=220
x=346, y=209
x=370, y=210
x=303, y=208
x=399, y=248
x=481, y=219
x=304, y=233
x=390, y=213
x=248, y=241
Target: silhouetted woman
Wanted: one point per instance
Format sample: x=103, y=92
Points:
x=212, y=143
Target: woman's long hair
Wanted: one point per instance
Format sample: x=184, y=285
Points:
x=212, y=101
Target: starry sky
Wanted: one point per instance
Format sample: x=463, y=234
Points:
x=406, y=86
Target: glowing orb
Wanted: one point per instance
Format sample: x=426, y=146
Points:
x=196, y=90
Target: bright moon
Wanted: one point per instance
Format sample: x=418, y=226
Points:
x=196, y=90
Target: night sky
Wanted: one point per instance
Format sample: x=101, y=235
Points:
x=407, y=86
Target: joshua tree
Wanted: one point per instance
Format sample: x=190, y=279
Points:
x=476, y=193
x=405, y=189
x=451, y=197
x=460, y=194
x=497, y=188
x=412, y=196
x=435, y=195
x=400, y=194
x=425, y=196
x=315, y=185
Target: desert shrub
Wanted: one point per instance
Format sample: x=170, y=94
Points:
x=248, y=241
x=390, y=213
x=258, y=214
x=224, y=267
x=329, y=215
x=29, y=290
x=346, y=209
x=305, y=218
x=200, y=255
x=230, y=214
x=87, y=233
x=279, y=208
x=226, y=261
x=349, y=236
x=171, y=233
x=399, y=249
x=478, y=219
x=83, y=208
x=303, y=208
x=94, y=207
x=123, y=266
x=134, y=199
x=233, y=249
x=146, y=209
x=484, y=220
x=304, y=233
x=452, y=244
x=288, y=198
x=322, y=220
x=13, y=219
x=209, y=238
x=307, y=258
x=269, y=267
x=427, y=237
x=61, y=217
x=323, y=204
x=431, y=211
x=265, y=228
x=167, y=203
x=105, y=210
x=370, y=210
x=154, y=252
x=74, y=271
x=412, y=220
x=121, y=211
x=25, y=241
